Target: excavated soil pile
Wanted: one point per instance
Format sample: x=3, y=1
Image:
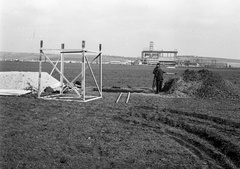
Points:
x=202, y=83
x=27, y=80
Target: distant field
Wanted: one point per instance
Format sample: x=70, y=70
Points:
x=108, y=58
x=151, y=131
x=117, y=75
x=68, y=57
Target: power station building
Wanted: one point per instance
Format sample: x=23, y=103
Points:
x=152, y=56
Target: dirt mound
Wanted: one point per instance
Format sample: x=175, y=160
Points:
x=26, y=80
x=202, y=83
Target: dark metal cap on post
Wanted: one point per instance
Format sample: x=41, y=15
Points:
x=62, y=46
x=41, y=43
x=83, y=44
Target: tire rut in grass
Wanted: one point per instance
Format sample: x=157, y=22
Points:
x=217, y=120
x=209, y=133
x=218, y=159
x=194, y=150
x=197, y=154
x=232, y=131
x=221, y=143
x=223, y=149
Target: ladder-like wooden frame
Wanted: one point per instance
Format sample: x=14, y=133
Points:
x=79, y=96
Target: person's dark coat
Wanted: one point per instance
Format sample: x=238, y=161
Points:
x=155, y=71
x=159, y=74
x=158, y=78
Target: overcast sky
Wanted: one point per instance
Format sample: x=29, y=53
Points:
x=208, y=28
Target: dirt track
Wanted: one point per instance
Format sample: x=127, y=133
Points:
x=149, y=132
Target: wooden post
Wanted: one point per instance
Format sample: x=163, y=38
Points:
x=119, y=97
x=128, y=97
x=40, y=69
x=62, y=70
x=83, y=70
x=100, y=69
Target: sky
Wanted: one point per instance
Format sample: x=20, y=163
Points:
x=209, y=28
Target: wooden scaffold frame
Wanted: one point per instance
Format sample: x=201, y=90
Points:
x=81, y=95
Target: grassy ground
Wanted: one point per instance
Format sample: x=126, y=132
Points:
x=151, y=131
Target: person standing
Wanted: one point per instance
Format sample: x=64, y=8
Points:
x=158, y=77
x=154, y=78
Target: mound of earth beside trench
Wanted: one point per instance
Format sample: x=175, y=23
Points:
x=203, y=84
x=27, y=80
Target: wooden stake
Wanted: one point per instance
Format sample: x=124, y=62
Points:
x=62, y=70
x=40, y=69
x=119, y=97
x=100, y=69
x=83, y=70
x=128, y=97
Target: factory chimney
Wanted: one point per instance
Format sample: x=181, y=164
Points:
x=151, y=46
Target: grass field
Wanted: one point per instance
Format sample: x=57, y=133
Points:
x=151, y=131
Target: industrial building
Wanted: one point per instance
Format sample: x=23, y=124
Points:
x=152, y=56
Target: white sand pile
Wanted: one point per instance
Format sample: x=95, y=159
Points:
x=27, y=81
